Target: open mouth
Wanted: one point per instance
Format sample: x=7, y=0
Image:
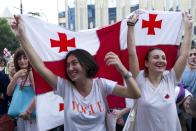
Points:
x=192, y=62
x=73, y=73
x=160, y=65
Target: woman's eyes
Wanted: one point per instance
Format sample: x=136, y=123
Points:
x=75, y=62
x=157, y=57
x=22, y=57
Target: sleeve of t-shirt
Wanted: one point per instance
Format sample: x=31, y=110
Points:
x=140, y=78
x=187, y=93
x=62, y=86
x=172, y=77
x=108, y=85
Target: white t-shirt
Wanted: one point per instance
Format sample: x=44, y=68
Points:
x=156, y=109
x=84, y=113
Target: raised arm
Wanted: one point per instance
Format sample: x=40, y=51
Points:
x=31, y=78
x=133, y=59
x=33, y=57
x=185, y=47
x=132, y=90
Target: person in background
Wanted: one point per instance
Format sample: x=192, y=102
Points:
x=11, y=68
x=23, y=80
x=2, y=65
x=4, y=81
x=185, y=101
x=156, y=108
x=189, y=81
x=82, y=93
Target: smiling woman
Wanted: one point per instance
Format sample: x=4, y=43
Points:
x=86, y=109
x=156, y=109
x=21, y=88
x=155, y=59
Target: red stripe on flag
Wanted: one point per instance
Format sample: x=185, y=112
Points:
x=57, y=67
x=110, y=41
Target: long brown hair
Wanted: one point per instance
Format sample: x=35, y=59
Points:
x=18, y=53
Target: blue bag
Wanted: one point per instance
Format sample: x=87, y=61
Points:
x=21, y=99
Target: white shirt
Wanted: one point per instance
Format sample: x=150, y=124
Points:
x=156, y=109
x=84, y=113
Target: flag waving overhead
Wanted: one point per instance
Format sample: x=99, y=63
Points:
x=155, y=29
x=52, y=43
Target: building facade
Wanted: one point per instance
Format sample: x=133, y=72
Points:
x=87, y=14
x=94, y=13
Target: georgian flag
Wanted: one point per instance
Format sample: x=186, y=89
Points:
x=52, y=42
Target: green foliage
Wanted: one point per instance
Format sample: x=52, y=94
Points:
x=7, y=37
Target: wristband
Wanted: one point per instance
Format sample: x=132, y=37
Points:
x=130, y=23
x=128, y=75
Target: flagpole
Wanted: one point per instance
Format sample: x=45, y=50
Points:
x=21, y=10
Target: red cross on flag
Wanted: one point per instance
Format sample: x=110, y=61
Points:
x=63, y=43
x=151, y=24
x=51, y=42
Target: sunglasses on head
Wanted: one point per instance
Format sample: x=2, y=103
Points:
x=192, y=54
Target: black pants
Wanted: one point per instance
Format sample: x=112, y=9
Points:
x=119, y=127
x=193, y=125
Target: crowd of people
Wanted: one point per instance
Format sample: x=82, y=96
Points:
x=158, y=93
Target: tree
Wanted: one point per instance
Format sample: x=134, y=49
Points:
x=7, y=37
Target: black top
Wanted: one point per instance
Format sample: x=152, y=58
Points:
x=4, y=99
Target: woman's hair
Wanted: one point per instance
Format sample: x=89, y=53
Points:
x=193, y=104
x=146, y=58
x=10, y=61
x=86, y=60
x=2, y=60
x=18, y=53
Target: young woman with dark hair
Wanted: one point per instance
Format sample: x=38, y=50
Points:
x=22, y=81
x=85, y=107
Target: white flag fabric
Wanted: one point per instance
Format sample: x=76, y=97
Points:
x=49, y=114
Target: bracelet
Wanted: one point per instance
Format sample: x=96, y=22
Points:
x=130, y=23
x=128, y=75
